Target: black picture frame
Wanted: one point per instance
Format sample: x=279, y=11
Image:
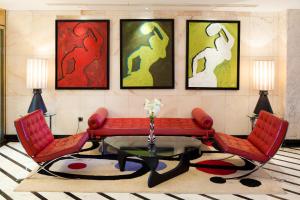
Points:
x=172, y=86
x=57, y=21
x=187, y=55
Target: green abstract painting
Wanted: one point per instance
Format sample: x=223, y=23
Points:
x=147, y=53
x=212, y=54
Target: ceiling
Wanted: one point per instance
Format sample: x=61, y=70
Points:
x=220, y=5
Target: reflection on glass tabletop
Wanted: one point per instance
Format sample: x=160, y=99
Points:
x=165, y=146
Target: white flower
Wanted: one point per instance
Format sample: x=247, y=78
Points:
x=153, y=107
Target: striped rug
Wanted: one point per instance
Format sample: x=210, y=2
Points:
x=14, y=164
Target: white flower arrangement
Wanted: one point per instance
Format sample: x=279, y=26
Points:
x=153, y=107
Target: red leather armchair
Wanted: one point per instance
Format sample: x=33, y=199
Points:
x=39, y=143
x=262, y=143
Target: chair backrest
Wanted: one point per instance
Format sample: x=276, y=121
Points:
x=268, y=133
x=33, y=132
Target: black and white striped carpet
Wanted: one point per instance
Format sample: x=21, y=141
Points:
x=15, y=164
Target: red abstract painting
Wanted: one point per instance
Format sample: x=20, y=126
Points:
x=82, y=54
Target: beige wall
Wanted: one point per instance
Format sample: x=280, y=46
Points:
x=2, y=17
x=33, y=34
x=282, y=54
x=292, y=103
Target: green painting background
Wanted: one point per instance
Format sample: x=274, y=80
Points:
x=132, y=39
x=226, y=72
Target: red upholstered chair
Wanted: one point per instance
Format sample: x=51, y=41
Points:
x=39, y=143
x=262, y=143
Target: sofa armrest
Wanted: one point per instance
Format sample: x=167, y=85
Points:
x=202, y=118
x=97, y=119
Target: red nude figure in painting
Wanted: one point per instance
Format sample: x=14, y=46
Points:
x=75, y=62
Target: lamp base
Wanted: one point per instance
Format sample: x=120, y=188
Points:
x=37, y=102
x=263, y=103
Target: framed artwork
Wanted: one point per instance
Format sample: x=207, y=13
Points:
x=82, y=54
x=212, y=55
x=147, y=53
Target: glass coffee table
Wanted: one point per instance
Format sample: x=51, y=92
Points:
x=180, y=148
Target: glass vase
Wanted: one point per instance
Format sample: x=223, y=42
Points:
x=151, y=137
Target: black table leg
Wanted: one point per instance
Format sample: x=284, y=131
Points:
x=155, y=178
x=122, y=160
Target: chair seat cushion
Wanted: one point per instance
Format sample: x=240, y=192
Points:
x=140, y=126
x=61, y=147
x=241, y=147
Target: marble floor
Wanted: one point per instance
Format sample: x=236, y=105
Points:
x=15, y=164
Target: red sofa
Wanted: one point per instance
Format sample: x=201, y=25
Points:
x=101, y=126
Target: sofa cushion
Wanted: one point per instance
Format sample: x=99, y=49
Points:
x=98, y=118
x=202, y=118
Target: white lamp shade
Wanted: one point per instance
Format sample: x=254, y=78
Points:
x=37, y=73
x=263, y=75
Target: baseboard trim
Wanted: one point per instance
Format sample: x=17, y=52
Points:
x=11, y=138
x=241, y=136
x=291, y=143
x=286, y=143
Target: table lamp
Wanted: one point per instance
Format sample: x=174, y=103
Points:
x=263, y=79
x=37, y=73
